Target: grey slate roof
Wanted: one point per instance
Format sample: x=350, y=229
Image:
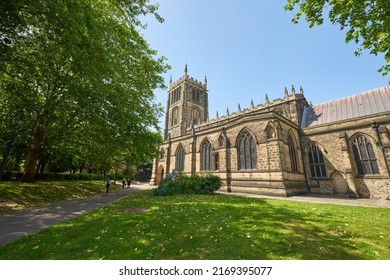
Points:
x=367, y=103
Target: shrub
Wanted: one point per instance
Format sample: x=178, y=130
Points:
x=210, y=184
x=168, y=187
x=189, y=185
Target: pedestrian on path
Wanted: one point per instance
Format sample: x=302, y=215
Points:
x=108, y=183
x=128, y=182
x=124, y=183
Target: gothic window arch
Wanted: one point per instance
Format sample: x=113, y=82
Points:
x=246, y=151
x=193, y=95
x=195, y=116
x=316, y=162
x=180, y=156
x=175, y=116
x=292, y=153
x=206, y=156
x=365, y=158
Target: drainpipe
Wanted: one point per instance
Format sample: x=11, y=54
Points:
x=375, y=126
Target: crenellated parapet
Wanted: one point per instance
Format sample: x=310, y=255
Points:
x=281, y=105
x=187, y=78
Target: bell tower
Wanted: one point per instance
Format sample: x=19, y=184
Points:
x=187, y=105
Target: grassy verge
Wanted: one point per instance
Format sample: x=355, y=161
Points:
x=212, y=227
x=17, y=196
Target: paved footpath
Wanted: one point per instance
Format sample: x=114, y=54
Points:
x=17, y=224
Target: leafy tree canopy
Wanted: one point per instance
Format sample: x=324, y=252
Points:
x=367, y=22
x=78, y=75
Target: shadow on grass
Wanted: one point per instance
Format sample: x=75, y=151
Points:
x=197, y=227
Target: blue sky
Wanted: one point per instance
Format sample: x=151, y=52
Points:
x=250, y=48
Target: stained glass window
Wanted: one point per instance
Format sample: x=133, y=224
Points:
x=293, y=155
x=365, y=159
x=246, y=152
x=180, y=155
x=206, y=156
x=316, y=162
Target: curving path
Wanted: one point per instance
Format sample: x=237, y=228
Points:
x=17, y=224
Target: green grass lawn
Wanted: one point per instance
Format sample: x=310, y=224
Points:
x=17, y=196
x=212, y=227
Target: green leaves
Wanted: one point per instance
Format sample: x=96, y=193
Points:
x=81, y=74
x=367, y=22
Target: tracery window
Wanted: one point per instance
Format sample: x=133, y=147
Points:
x=246, y=151
x=175, y=113
x=293, y=155
x=316, y=162
x=180, y=156
x=206, y=156
x=365, y=159
x=195, y=116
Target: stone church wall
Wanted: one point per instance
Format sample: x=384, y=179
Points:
x=336, y=142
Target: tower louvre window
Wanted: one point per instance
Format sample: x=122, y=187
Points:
x=175, y=116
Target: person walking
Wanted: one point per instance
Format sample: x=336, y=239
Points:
x=108, y=183
x=128, y=182
x=173, y=175
x=124, y=183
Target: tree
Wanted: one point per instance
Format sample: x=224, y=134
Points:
x=78, y=71
x=367, y=22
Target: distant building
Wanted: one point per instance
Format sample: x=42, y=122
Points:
x=282, y=147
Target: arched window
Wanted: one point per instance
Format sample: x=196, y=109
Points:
x=316, y=162
x=193, y=95
x=246, y=150
x=293, y=155
x=175, y=116
x=180, y=155
x=364, y=156
x=206, y=156
x=195, y=116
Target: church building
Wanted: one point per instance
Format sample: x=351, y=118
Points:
x=283, y=147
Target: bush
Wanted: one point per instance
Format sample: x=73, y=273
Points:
x=189, y=185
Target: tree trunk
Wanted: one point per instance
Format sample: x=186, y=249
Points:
x=82, y=167
x=32, y=157
x=6, y=152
